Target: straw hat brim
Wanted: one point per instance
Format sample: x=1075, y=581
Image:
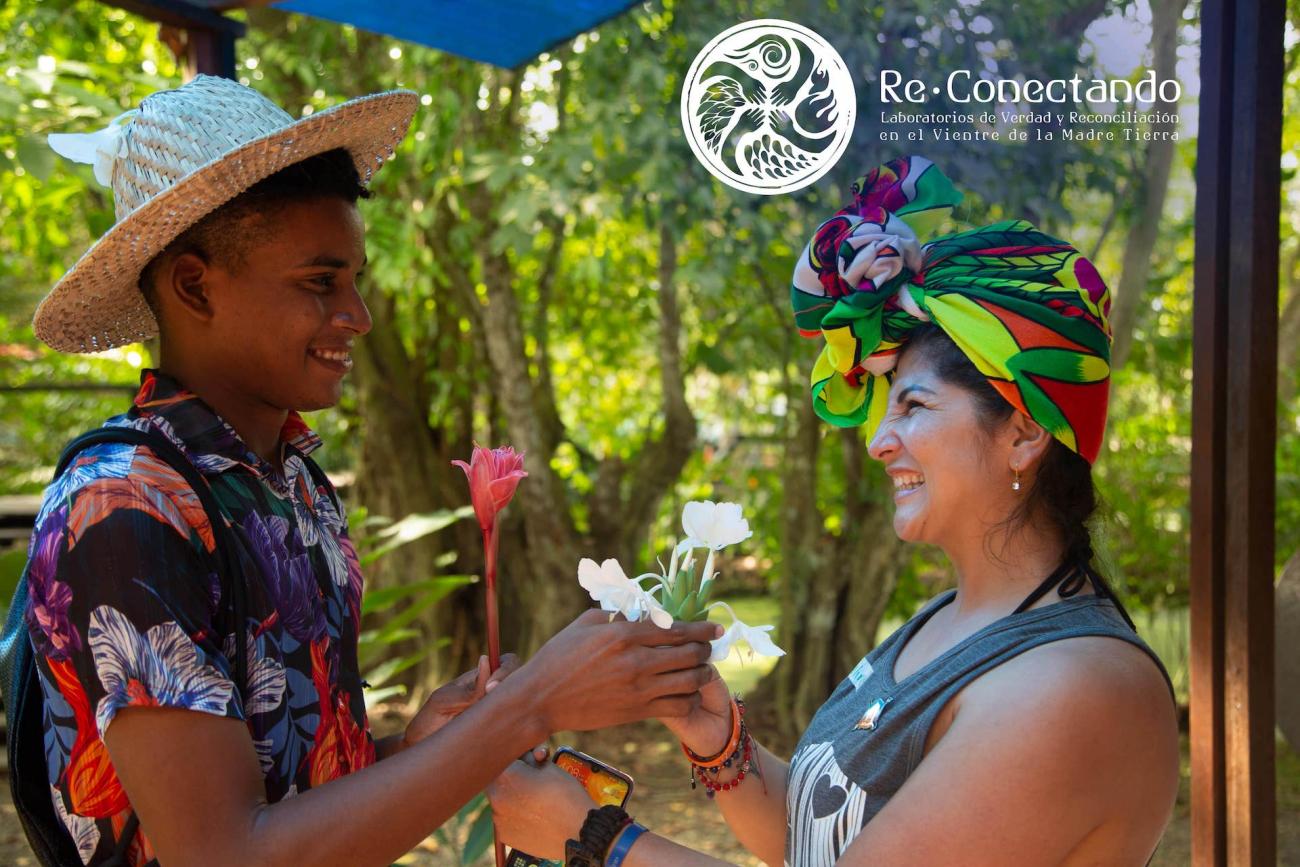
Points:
x=98, y=305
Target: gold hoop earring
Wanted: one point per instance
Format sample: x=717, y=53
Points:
x=1015, y=486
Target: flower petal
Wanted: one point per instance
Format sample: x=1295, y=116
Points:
x=722, y=646
x=761, y=643
x=660, y=616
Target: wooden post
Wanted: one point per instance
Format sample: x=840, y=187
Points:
x=1234, y=412
x=1209, y=409
x=210, y=37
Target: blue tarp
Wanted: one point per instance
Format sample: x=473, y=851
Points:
x=505, y=34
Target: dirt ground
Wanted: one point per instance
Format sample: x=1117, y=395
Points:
x=664, y=802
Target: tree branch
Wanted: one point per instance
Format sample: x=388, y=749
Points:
x=548, y=414
x=1135, y=272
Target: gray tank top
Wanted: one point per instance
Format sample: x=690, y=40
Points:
x=870, y=735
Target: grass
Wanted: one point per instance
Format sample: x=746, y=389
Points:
x=741, y=673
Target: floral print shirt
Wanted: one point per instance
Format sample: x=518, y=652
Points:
x=127, y=609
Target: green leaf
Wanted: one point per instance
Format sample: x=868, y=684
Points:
x=412, y=527
x=387, y=597
x=375, y=696
x=480, y=836
x=390, y=668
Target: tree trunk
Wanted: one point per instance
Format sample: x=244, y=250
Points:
x=1166, y=17
x=834, y=589
x=403, y=468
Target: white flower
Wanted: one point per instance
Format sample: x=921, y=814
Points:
x=755, y=636
x=714, y=525
x=607, y=584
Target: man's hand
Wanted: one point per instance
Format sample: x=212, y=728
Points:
x=597, y=673
x=535, y=809
x=451, y=699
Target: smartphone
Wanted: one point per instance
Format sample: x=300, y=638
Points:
x=604, y=785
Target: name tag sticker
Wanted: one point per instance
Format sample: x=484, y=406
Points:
x=860, y=673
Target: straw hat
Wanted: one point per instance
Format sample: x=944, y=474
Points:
x=182, y=154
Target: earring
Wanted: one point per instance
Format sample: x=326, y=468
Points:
x=1015, y=486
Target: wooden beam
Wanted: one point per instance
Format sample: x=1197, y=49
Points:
x=210, y=53
x=209, y=38
x=177, y=13
x=1234, y=810
x=1256, y=184
x=1209, y=408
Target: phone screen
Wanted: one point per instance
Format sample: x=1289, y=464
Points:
x=604, y=785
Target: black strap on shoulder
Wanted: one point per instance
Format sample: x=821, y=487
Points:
x=1068, y=579
x=224, y=542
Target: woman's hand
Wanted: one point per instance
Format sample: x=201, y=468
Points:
x=451, y=699
x=707, y=728
x=536, y=809
x=596, y=673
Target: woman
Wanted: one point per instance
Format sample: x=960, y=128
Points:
x=1016, y=720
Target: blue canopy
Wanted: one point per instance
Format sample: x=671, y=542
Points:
x=504, y=34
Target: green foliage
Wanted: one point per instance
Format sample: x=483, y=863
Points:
x=12, y=563
x=394, y=609
x=69, y=66
x=468, y=835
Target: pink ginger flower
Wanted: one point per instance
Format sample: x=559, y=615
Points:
x=493, y=476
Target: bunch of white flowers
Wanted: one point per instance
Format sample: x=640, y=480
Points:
x=676, y=594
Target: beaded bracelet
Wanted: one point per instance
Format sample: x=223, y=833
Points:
x=741, y=755
x=733, y=742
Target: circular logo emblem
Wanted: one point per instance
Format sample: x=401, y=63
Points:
x=768, y=106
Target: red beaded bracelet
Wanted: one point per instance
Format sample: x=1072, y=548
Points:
x=740, y=754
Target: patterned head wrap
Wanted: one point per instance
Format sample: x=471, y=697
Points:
x=1027, y=309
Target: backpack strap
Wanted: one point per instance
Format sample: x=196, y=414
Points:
x=224, y=539
x=224, y=545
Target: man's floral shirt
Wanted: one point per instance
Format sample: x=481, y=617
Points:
x=127, y=609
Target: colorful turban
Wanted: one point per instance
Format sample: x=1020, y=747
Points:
x=1027, y=309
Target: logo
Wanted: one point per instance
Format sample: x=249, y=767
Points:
x=768, y=106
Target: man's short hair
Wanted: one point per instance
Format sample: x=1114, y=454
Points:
x=225, y=233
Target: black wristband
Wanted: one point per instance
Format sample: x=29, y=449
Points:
x=595, y=838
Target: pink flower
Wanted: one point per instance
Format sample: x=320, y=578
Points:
x=493, y=476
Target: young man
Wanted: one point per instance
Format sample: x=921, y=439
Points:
x=239, y=235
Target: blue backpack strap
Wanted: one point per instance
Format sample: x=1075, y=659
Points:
x=28, y=776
